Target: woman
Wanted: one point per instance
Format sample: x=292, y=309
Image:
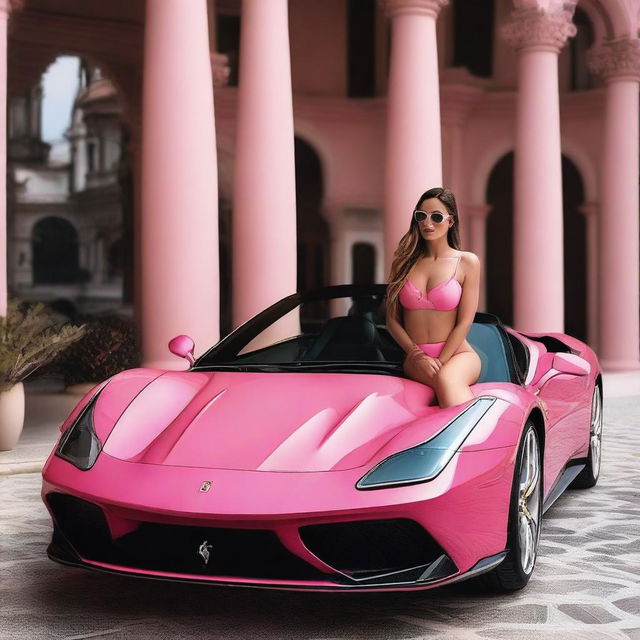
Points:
x=431, y=300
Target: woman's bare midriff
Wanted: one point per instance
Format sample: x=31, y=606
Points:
x=430, y=325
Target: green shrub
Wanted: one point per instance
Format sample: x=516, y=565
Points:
x=29, y=338
x=109, y=346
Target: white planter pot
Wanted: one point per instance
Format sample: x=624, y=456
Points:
x=11, y=416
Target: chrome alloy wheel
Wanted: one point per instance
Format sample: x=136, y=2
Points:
x=529, y=502
x=596, y=432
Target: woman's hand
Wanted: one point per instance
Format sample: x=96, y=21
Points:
x=432, y=364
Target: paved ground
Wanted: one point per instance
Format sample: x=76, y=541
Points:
x=586, y=582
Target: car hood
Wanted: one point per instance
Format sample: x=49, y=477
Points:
x=263, y=421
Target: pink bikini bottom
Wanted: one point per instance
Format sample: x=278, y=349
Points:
x=433, y=349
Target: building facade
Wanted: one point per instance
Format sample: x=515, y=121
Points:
x=277, y=145
x=64, y=215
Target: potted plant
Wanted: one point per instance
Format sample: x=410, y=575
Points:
x=29, y=338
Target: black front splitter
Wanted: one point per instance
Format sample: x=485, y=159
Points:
x=60, y=551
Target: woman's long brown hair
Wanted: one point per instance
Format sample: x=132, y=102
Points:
x=412, y=246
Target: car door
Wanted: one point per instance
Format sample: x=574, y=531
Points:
x=561, y=396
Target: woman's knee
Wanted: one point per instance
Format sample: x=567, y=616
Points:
x=442, y=381
x=456, y=376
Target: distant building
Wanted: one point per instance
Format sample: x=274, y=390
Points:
x=65, y=207
x=279, y=145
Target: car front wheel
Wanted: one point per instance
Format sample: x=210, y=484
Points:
x=525, y=519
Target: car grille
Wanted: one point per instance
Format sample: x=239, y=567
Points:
x=249, y=553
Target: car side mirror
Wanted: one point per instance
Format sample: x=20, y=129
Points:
x=183, y=346
x=570, y=363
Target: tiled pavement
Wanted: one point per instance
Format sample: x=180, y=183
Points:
x=586, y=582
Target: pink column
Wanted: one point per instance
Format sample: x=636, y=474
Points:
x=590, y=211
x=619, y=339
x=414, y=148
x=461, y=97
x=537, y=244
x=179, y=226
x=264, y=214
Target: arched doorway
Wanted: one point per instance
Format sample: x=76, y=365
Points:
x=575, y=252
x=363, y=263
x=499, y=234
x=312, y=229
x=225, y=266
x=55, y=252
x=499, y=249
x=225, y=164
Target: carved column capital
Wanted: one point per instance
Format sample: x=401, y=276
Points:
x=529, y=28
x=616, y=59
x=220, y=69
x=394, y=8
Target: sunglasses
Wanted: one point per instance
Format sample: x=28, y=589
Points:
x=436, y=216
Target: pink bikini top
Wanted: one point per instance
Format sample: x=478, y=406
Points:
x=443, y=297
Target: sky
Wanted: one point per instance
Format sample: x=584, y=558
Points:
x=60, y=83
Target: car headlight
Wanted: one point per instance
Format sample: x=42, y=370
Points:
x=80, y=445
x=426, y=460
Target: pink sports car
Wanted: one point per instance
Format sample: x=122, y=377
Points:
x=294, y=454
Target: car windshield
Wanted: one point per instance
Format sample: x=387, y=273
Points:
x=331, y=326
x=340, y=328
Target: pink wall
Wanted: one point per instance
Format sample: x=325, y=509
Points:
x=347, y=135
x=349, y=138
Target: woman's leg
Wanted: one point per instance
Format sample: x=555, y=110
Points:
x=452, y=381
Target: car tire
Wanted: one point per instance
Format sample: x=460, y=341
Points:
x=588, y=477
x=525, y=519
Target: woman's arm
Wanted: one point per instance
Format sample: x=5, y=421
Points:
x=466, y=309
x=398, y=332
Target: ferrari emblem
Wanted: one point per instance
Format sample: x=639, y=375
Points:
x=203, y=551
x=205, y=486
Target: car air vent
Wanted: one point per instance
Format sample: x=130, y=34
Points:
x=553, y=345
x=82, y=523
x=371, y=547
